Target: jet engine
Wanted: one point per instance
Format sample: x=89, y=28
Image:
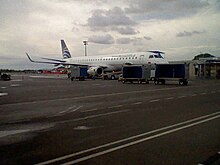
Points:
x=94, y=71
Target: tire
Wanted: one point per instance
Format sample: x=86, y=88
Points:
x=181, y=82
x=112, y=77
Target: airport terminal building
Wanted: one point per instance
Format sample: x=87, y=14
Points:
x=203, y=68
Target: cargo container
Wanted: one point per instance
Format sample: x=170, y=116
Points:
x=171, y=72
x=5, y=77
x=79, y=73
x=136, y=73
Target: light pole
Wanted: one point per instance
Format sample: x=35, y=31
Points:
x=85, y=43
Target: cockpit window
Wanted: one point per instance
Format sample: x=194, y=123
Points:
x=155, y=56
x=158, y=56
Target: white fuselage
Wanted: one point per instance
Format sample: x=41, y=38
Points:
x=116, y=61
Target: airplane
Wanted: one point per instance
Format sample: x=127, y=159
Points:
x=99, y=64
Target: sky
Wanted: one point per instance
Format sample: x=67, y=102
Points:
x=180, y=28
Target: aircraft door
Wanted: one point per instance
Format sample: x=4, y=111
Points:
x=141, y=59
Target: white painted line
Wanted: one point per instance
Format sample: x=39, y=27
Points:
x=137, y=103
x=3, y=87
x=94, y=116
x=139, y=141
x=204, y=93
x=194, y=95
x=181, y=97
x=71, y=108
x=12, y=132
x=96, y=84
x=63, y=112
x=3, y=94
x=169, y=98
x=15, y=85
x=132, y=137
x=76, y=109
x=116, y=106
x=154, y=100
x=90, y=110
x=17, y=80
x=97, y=96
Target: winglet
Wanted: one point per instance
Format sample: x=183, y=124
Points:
x=29, y=57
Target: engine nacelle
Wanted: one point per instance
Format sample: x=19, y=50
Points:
x=93, y=71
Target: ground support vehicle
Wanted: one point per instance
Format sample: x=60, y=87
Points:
x=79, y=73
x=136, y=73
x=171, y=72
x=111, y=75
x=5, y=77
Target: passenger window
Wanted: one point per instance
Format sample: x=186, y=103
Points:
x=151, y=56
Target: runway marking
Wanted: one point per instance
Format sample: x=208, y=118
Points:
x=12, y=132
x=137, y=103
x=3, y=94
x=194, y=95
x=169, y=98
x=17, y=80
x=74, y=109
x=63, y=112
x=151, y=101
x=97, y=96
x=116, y=106
x=173, y=128
x=94, y=116
x=82, y=128
x=90, y=110
x=70, y=109
x=181, y=97
x=104, y=95
x=96, y=84
x=15, y=85
x=3, y=87
x=49, y=77
x=203, y=93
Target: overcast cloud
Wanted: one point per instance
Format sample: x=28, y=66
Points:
x=181, y=28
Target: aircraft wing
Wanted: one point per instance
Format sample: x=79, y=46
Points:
x=54, y=61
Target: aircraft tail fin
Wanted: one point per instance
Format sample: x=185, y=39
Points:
x=65, y=51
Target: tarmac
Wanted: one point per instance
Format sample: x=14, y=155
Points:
x=48, y=119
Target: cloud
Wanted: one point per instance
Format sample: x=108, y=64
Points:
x=147, y=38
x=125, y=30
x=189, y=34
x=111, y=20
x=107, y=39
x=123, y=40
x=165, y=9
